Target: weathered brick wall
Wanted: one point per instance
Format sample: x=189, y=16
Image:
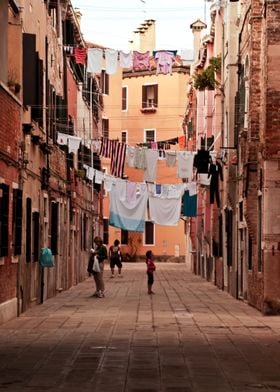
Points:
x=9, y=148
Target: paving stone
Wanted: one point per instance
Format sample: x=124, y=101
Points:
x=189, y=337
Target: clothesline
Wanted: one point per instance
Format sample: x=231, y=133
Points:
x=162, y=60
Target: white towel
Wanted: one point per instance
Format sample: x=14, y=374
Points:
x=126, y=59
x=94, y=60
x=111, y=57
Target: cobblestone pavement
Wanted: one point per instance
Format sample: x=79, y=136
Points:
x=188, y=337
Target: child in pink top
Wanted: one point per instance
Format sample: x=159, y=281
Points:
x=150, y=270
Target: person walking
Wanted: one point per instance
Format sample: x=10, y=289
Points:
x=100, y=253
x=115, y=257
x=150, y=270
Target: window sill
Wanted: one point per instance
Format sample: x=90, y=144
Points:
x=148, y=110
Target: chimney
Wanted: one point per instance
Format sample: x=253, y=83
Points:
x=197, y=27
x=144, y=37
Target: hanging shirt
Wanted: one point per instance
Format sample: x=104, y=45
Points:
x=99, y=176
x=130, y=156
x=73, y=143
x=163, y=211
x=141, y=61
x=185, y=164
x=126, y=59
x=80, y=55
x=140, y=158
x=150, y=173
x=111, y=57
x=189, y=205
x=201, y=161
x=164, y=61
x=171, y=158
x=127, y=215
x=108, y=182
x=94, y=61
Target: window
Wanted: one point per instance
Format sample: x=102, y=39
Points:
x=150, y=96
x=149, y=233
x=124, y=98
x=150, y=135
x=105, y=127
x=28, y=226
x=4, y=219
x=124, y=137
x=17, y=221
x=106, y=231
x=54, y=228
x=36, y=235
x=260, y=223
x=124, y=237
x=104, y=82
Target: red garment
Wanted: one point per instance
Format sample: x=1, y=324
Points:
x=182, y=141
x=118, y=159
x=80, y=55
x=150, y=265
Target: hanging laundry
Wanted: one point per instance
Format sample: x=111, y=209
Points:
x=118, y=159
x=80, y=55
x=131, y=191
x=141, y=61
x=111, y=58
x=73, y=143
x=191, y=187
x=203, y=179
x=161, y=155
x=189, y=205
x=108, y=182
x=106, y=147
x=62, y=139
x=201, y=161
x=90, y=171
x=130, y=156
x=126, y=215
x=150, y=173
x=174, y=191
x=96, y=144
x=154, y=145
x=94, y=60
x=99, y=176
x=126, y=59
x=185, y=164
x=140, y=158
x=171, y=158
x=165, y=211
x=216, y=173
x=164, y=61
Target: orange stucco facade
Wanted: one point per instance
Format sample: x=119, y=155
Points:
x=165, y=121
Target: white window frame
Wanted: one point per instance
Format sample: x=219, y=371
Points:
x=145, y=134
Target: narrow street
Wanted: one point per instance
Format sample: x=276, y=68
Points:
x=189, y=336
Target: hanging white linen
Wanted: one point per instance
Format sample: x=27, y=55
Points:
x=94, y=60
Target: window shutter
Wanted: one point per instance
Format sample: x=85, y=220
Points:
x=54, y=228
x=36, y=235
x=156, y=95
x=4, y=220
x=28, y=223
x=144, y=97
x=17, y=220
x=29, y=69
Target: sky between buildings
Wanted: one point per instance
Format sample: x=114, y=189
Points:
x=111, y=22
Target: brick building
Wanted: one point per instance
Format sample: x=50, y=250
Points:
x=45, y=198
